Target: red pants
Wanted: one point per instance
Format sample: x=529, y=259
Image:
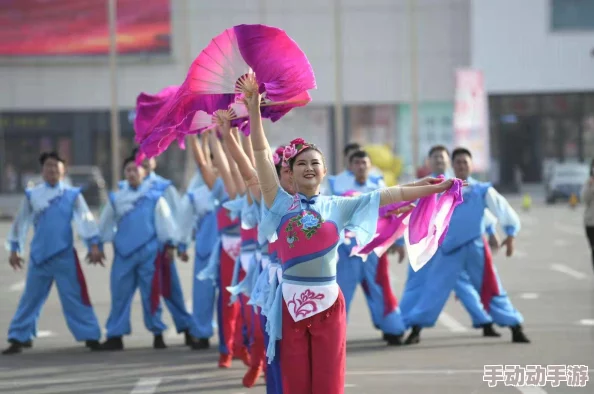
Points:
x=258, y=348
x=313, y=351
x=230, y=317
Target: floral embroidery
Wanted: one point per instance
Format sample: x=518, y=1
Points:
x=306, y=303
x=308, y=221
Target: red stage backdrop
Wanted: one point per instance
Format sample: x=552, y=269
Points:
x=79, y=27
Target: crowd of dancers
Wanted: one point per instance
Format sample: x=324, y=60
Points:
x=274, y=243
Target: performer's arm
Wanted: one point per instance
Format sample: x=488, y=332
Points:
x=244, y=164
x=185, y=221
x=85, y=223
x=235, y=173
x=390, y=195
x=107, y=224
x=173, y=199
x=220, y=161
x=167, y=232
x=17, y=235
x=265, y=168
x=507, y=216
x=203, y=163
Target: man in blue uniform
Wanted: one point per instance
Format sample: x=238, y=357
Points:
x=51, y=207
x=139, y=223
x=463, y=253
x=171, y=286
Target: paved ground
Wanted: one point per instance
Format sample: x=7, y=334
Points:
x=550, y=280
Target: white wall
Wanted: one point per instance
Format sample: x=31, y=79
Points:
x=375, y=44
x=513, y=44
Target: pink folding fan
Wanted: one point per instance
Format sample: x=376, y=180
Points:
x=281, y=69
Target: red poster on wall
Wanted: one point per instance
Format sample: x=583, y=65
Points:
x=80, y=27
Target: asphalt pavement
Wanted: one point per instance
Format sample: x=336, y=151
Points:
x=550, y=280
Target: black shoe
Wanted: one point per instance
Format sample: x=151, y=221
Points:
x=489, y=331
x=189, y=338
x=201, y=344
x=393, y=340
x=27, y=345
x=14, y=348
x=159, y=343
x=93, y=344
x=114, y=343
x=414, y=336
x=518, y=335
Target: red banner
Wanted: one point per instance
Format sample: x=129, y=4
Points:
x=80, y=27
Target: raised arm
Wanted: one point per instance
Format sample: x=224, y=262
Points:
x=249, y=151
x=267, y=177
x=235, y=174
x=245, y=167
x=220, y=161
x=204, y=165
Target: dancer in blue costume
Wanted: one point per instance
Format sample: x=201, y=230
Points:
x=465, y=292
x=172, y=291
x=264, y=288
x=197, y=218
x=353, y=270
x=138, y=222
x=51, y=207
x=463, y=251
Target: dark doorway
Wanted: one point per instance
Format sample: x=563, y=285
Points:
x=520, y=147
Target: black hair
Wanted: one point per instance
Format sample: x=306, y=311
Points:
x=351, y=146
x=438, y=148
x=460, y=151
x=360, y=154
x=128, y=160
x=50, y=155
x=309, y=147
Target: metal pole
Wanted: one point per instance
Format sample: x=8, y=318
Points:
x=339, y=136
x=414, y=83
x=190, y=166
x=114, y=112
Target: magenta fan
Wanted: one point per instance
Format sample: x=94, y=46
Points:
x=178, y=117
x=147, y=107
x=280, y=67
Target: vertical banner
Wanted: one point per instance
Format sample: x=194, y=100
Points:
x=471, y=119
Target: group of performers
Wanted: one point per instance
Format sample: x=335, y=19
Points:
x=272, y=253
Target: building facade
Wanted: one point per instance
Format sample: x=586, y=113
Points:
x=63, y=101
x=538, y=60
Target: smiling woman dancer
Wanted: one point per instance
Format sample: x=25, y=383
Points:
x=312, y=318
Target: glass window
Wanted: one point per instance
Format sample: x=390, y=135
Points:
x=572, y=15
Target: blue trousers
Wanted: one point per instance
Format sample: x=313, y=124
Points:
x=463, y=288
x=352, y=271
x=128, y=274
x=203, y=300
x=79, y=314
x=176, y=304
x=274, y=382
x=465, y=263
